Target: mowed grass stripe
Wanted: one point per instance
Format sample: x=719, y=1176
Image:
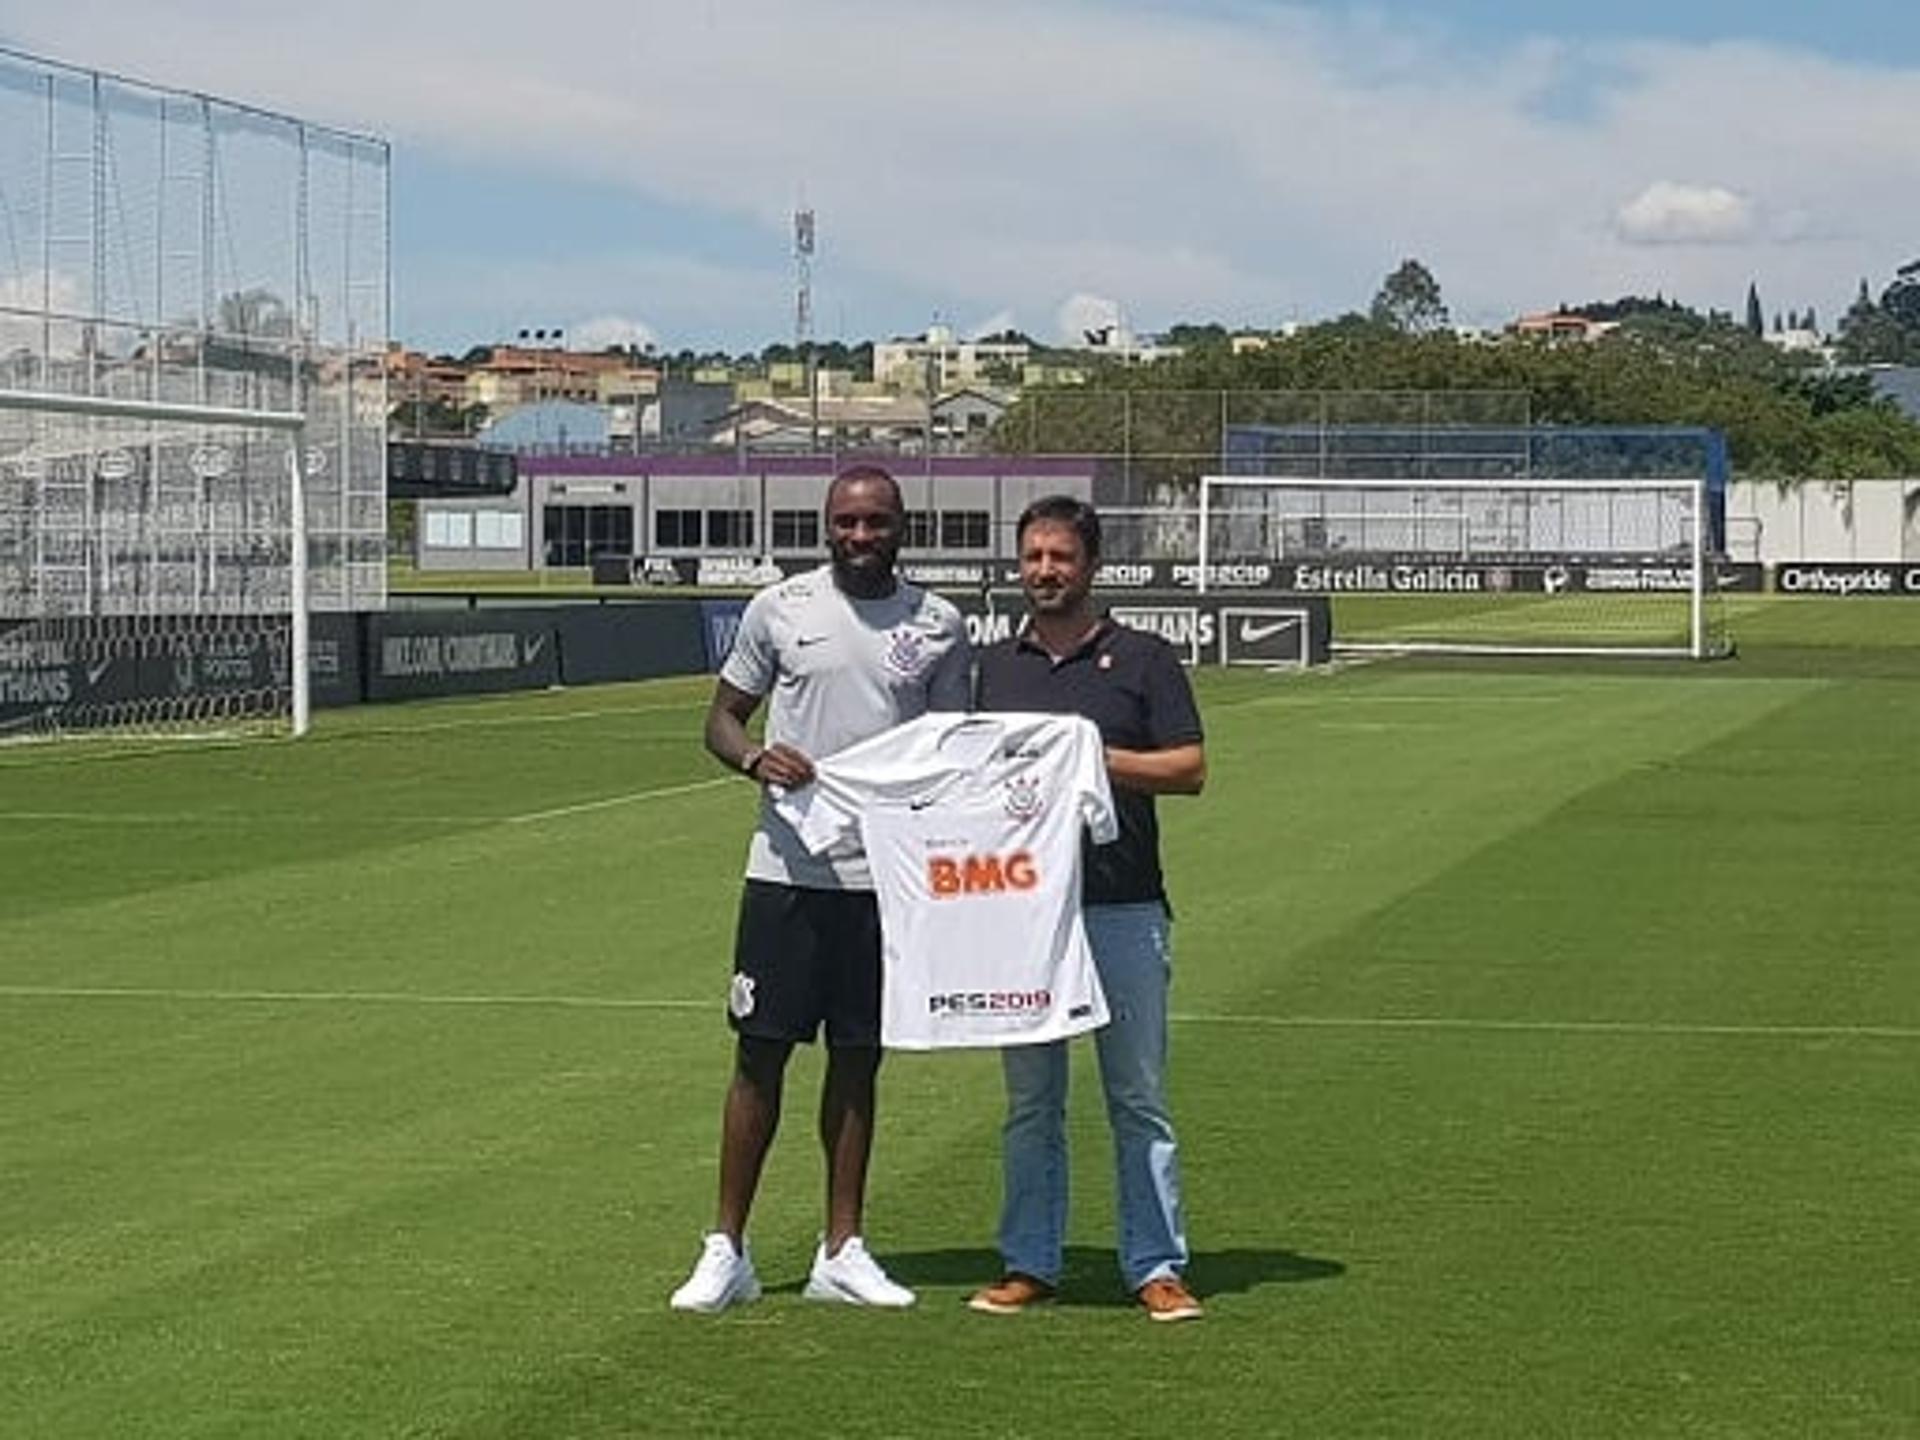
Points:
x=292, y=804
x=1307, y=829
x=1753, y=879
x=1240, y=1020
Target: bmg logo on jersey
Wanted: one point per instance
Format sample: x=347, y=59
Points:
x=949, y=877
x=990, y=1002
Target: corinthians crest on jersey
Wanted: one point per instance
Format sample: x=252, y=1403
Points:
x=1024, y=799
x=907, y=652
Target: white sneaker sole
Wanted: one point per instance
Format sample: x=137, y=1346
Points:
x=744, y=1295
x=829, y=1293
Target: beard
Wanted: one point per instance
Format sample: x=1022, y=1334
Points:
x=864, y=572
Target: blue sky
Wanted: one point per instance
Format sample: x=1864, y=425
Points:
x=627, y=170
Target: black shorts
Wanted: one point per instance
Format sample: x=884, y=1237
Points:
x=803, y=958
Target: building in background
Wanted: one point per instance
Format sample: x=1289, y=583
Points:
x=939, y=362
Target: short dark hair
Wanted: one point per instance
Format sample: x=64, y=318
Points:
x=866, y=470
x=1063, y=510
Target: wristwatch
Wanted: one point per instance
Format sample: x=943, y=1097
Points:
x=751, y=757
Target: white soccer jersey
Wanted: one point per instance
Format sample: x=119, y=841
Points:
x=972, y=826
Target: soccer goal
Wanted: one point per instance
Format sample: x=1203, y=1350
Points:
x=193, y=316
x=1607, y=567
x=153, y=567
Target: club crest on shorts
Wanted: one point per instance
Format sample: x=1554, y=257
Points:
x=740, y=996
x=906, y=651
x=1023, y=797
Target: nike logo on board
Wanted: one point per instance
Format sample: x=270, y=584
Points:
x=1251, y=633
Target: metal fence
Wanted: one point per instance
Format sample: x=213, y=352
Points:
x=166, y=249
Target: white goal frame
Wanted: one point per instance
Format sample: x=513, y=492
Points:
x=1694, y=487
x=292, y=424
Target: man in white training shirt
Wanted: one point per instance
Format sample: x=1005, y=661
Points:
x=845, y=652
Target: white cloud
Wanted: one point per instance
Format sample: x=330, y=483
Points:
x=1081, y=312
x=604, y=331
x=1234, y=162
x=1666, y=213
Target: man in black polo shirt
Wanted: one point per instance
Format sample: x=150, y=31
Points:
x=1130, y=684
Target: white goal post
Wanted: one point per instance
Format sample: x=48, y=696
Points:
x=66, y=601
x=1608, y=567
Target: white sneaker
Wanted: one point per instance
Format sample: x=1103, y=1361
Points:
x=853, y=1277
x=720, y=1279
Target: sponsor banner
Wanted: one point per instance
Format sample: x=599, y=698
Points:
x=1263, y=635
x=661, y=570
x=1188, y=628
x=636, y=641
x=737, y=572
x=1202, y=629
x=414, y=654
x=956, y=574
x=333, y=660
x=1246, y=575
x=1845, y=579
x=1588, y=574
x=719, y=623
x=82, y=673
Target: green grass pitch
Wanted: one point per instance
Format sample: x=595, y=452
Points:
x=1547, y=1062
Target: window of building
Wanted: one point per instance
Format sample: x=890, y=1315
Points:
x=449, y=529
x=963, y=529
x=676, y=529
x=498, y=530
x=574, y=534
x=796, y=529
x=918, y=534
x=729, y=529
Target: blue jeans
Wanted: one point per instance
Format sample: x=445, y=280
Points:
x=1132, y=953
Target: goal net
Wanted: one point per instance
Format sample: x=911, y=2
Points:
x=152, y=567
x=194, y=302
x=1619, y=567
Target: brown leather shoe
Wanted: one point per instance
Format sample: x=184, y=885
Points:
x=1168, y=1299
x=1010, y=1294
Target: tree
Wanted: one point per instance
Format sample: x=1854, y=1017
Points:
x=1887, y=331
x=1901, y=299
x=1783, y=419
x=1409, y=301
x=1190, y=336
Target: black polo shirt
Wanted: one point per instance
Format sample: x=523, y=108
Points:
x=1130, y=684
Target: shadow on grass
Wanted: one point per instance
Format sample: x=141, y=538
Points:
x=1092, y=1274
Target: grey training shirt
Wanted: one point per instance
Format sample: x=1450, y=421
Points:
x=839, y=669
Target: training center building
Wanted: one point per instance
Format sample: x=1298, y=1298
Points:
x=668, y=516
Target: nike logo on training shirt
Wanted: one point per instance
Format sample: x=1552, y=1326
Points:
x=805, y=640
